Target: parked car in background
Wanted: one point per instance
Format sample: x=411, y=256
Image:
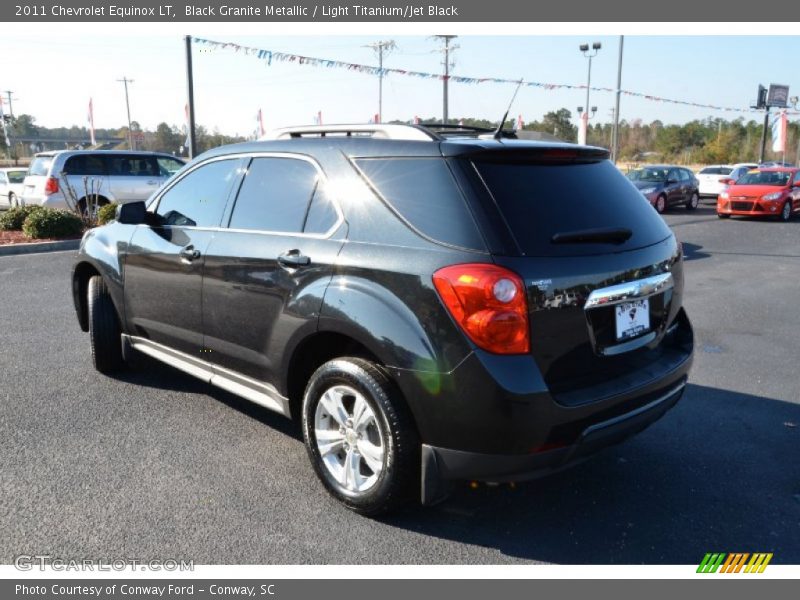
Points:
x=11, y=179
x=430, y=307
x=772, y=191
x=110, y=175
x=711, y=179
x=776, y=163
x=667, y=185
x=714, y=179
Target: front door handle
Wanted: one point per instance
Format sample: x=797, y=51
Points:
x=190, y=252
x=293, y=259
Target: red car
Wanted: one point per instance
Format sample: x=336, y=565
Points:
x=771, y=191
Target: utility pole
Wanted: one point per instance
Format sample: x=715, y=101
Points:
x=126, y=81
x=10, y=106
x=615, y=135
x=379, y=48
x=764, y=135
x=446, y=49
x=190, y=97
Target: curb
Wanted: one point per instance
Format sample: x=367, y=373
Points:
x=38, y=247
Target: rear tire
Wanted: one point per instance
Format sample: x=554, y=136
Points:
x=360, y=436
x=104, y=329
x=693, y=201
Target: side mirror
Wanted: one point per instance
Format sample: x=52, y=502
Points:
x=671, y=181
x=727, y=181
x=796, y=183
x=132, y=213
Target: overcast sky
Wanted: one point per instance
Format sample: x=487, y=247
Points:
x=54, y=75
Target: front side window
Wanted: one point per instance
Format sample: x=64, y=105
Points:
x=275, y=195
x=198, y=199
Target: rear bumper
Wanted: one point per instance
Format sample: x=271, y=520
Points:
x=441, y=465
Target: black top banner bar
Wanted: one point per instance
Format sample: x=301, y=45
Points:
x=454, y=11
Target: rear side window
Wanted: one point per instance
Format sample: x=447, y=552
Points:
x=538, y=201
x=423, y=192
x=85, y=164
x=40, y=165
x=198, y=200
x=275, y=196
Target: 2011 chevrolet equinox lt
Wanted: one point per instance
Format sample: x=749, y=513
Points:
x=432, y=304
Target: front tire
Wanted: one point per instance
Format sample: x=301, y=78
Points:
x=723, y=216
x=661, y=204
x=786, y=212
x=12, y=200
x=693, y=201
x=360, y=436
x=104, y=329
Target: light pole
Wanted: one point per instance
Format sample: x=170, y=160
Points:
x=615, y=135
x=584, y=48
x=594, y=112
x=794, y=100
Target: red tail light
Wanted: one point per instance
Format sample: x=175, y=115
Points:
x=489, y=304
x=51, y=186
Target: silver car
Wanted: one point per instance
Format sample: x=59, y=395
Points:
x=11, y=185
x=64, y=178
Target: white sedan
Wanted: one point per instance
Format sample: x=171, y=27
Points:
x=11, y=185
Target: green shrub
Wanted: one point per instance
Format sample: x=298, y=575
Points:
x=52, y=223
x=106, y=213
x=13, y=218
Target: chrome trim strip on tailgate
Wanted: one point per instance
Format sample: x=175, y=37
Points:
x=624, y=292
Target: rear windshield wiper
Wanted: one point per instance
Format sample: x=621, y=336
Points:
x=611, y=235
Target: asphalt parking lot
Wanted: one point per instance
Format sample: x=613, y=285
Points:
x=154, y=464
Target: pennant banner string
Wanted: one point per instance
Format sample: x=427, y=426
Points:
x=270, y=56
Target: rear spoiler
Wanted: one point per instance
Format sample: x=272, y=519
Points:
x=562, y=153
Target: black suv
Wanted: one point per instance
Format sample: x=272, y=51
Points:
x=431, y=305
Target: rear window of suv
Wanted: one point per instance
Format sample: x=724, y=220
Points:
x=539, y=201
x=40, y=165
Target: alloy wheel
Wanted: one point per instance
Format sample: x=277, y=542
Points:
x=349, y=439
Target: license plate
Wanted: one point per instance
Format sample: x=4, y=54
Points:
x=633, y=318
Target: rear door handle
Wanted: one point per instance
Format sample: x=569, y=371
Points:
x=190, y=252
x=293, y=259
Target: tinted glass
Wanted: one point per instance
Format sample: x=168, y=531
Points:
x=168, y=166
x=424, y=193
x=275, y=195
x=541, y=200
x=199, y=198
x=85, y=164
x=40, y=165
x=132, y=166
x=322, y=214
x=715, y=171
x=16, y=176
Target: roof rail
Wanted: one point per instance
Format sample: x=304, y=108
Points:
x=389, y=131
